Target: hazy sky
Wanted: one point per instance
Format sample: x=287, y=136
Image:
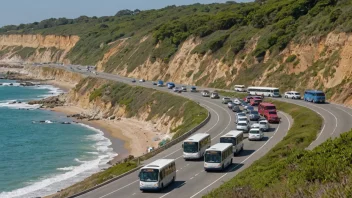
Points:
x=28, y=11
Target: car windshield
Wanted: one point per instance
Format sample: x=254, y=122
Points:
x=190, y=147
x=254, y=132
x=212, y=157
x=242, y=124
x=254, y=112
x=242, y=119
x=231, y=140
x=297, y=94
x=262, y=123
x=241, y=114
x=149, y=175
x=226, y=98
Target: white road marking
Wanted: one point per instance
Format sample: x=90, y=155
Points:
x=196, y=174
x=238, y=164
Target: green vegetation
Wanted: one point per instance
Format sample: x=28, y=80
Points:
x=137, y=100
x=271, y=173
x=25, y=52
x=98, y=178
x=291, y=58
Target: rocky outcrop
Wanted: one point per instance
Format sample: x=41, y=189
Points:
x=50, y=102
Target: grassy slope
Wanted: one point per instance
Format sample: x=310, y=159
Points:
x=274, y=170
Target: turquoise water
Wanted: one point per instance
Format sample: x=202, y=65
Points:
x=38, y=159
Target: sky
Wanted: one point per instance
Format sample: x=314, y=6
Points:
x=14, y=12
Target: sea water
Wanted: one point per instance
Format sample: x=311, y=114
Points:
x=38, y=154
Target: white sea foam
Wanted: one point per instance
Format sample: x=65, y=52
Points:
x=23, y=105
x=11, y=84
x=72, y=174
x=53, y=91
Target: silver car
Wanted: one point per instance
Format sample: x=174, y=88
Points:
x=254, y=116
x=226, y=100
x=242, y=126
x=205, y=93
x=264, y=125
x=230, y=105
x=240, y=114
x=237, y=101
x=241, y=118
x=255, y=134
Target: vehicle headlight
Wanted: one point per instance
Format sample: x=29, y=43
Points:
x=205, y=165
x=219, y=165
x=156, y=185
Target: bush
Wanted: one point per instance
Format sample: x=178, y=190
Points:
x=290, y=58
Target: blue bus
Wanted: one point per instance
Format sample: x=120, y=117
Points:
x=170, y=85
x=314, y=96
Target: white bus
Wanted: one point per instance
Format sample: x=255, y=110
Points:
x=235, y=138
x=157, y=175
x=266, y=91
x=218, y=157
x=195, y=146
x=240, y=88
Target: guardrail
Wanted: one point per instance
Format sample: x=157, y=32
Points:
x=148, y=156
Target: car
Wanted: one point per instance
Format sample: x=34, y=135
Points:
x=242, y=126
x=226, y=100
x=184, y=88
x=133, y=80
x=205, y=93
x=255, y=134
x=255, y=126
x=170, y=85
x=292, y=95
x=230, y=105
x=240, y=114
x=193, y=89
x=255, y=101
x=243, y=104
x=249, y=108
x=214, y=95
x=177, y=89
x=272, y=117
x=264, y=125
x=236, y=108
x=141, y=80
x=154, y=83
x=237, y=101
x=242, y=119
x=254, y=116
x=160, y=83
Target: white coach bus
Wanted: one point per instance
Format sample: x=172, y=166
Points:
x=235, y=138
x=266, y=91
x=157, y=175
x=195, y=146
x=218, y=157
x=240, y=88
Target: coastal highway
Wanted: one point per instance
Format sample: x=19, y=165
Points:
x=191, y=180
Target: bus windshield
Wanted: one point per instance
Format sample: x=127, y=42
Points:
x=190, y=147
x=276, y=91
x=212, y=157
x=231, y=140
x=320, y=94
x=149, y=175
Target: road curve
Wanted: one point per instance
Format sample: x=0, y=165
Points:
x=191, y=180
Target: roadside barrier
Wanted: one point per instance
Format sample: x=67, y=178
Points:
x=148, y=156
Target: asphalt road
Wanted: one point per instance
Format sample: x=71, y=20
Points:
x=191, y=180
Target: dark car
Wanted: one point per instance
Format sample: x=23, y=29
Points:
x=154, y=83
x=254, y=116
x=133, y=80
x=236, y=108
x=193, y=89
x=214, y=95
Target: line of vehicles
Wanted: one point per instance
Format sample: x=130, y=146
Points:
x=162, y=172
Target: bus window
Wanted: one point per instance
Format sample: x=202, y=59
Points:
x=190, y=147
x=231, y=140
x=213, y=157
x=149, y=175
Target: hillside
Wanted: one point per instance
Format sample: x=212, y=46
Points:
x=291, y=44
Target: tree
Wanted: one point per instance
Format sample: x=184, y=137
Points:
x=125, y=12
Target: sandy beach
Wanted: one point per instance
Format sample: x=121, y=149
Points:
x=136, y=135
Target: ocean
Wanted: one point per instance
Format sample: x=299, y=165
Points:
x=38, y=154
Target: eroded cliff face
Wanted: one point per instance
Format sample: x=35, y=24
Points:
x=36, y=48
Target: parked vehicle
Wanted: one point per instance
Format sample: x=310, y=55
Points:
x=255, y=101
x=314, y=96
x=255, y=134
x=254, y=116
x=292, y=95
x=235, y=138
x=170, y=85
x=272, y=117
x=237, y=101
x=230, y=105
x=264, y=91
x=184, y=88
x=236, y=108
x=157, y=175
x=265, y=107
x=193, y=89
x=194, y=147
x=242, y=126
x=205, y=93
x=225, y=100
x=218, y=157
x=264, y=125
x=240, y=88
x=214, y=95
x=160, y=83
